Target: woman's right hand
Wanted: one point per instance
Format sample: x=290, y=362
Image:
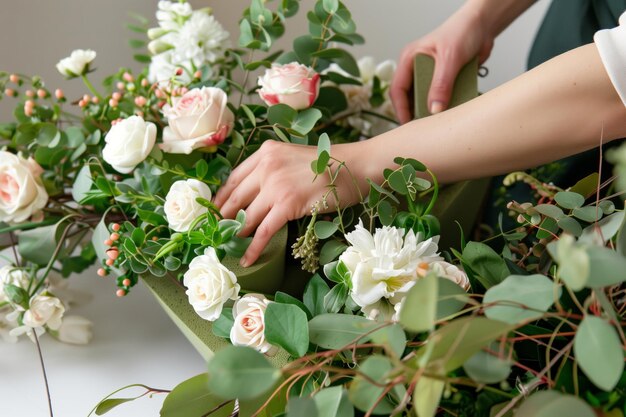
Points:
x=459, y=39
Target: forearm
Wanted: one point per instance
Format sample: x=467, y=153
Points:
x=496, y=15
x=563, y=107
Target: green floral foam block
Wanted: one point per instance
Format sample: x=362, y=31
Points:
x=265, y=276
x=460, y=202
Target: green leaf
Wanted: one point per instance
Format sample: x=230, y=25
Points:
x=573, y=261
x=386, y=212
x=144, y=59
x=249, y=114
x=363, y=394
x=324, y=229
x=314, y=293
x=201, y=168
x=332, y=99
x=606, y=267
x=331, y=6
x=553, y=403
x=335, y=331
x=75, y=136
x=588, y=214
x=282, y=115
x=342, y=23
x=221, y=327
x=451, y=298
x=487, y=367
x=419, y=308
x=17, y=295
x=603, y=230
x=138, y=236
x=333, y=402
x=48, y=135
x=303, y=47
x=550, y=211
x=285, y=298
x=286, y=326
x=460, y=339
x=520, y=298
x=393, y=337
x=38, y=245
x=281, y=135
x=570, y=225
x=331, y=250
x=110, y=403
x=305, y=120
x=569, y=200
x=192, y=398
x=599, y=352
x=336, y=298
x=398, y=183
x=82, y=183
x=427, y=396
x=489, y=267
x=620, y=241
x=302, y=406
x=241, y=372
x=321, y=163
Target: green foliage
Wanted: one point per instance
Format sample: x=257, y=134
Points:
x=486, y=265
x=192, y=398
x=286, y=326
x=551, y=403
x=419, y=309
x=365, y=395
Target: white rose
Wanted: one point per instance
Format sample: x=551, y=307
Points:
x=75, y=330
x=293, y=84
x=181, y=207
x=128, y=143
x=249, y=327
x=451, y=272
x=209, y=285
x=385, y=265
x=77, y=63
x=14, y=276
x=44, y=310
x=22, y=193
x=198, y=119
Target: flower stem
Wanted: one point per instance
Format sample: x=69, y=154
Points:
x=43, y=369
x=90, y=86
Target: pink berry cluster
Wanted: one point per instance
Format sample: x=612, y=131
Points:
x=32, y=95
x=112, y=255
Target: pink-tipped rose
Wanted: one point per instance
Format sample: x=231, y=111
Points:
x=293, y=84
x=198, y=119
x=22, y=193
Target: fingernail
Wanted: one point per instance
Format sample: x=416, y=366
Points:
x=244, y=262
x=436, y=107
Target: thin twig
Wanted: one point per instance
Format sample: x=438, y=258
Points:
x=43, y=369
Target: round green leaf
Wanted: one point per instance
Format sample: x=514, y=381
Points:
x=335, y=331
x=606, y=267
x=241, y=372
x=588, y=214
x=550, y=211
x=486, y=367
x=286, y=326
x=553, y=403
x=364, y=394
x=569, y=200
x=599, y=352
x=193, y=398
x=520, y=298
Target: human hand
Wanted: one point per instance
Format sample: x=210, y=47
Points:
x=452, y=45
x=275, y=185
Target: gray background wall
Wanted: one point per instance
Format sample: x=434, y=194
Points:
x=35, y=34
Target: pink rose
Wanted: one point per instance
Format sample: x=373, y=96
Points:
x=198, y=119
x=22, y=193
x=249, y=327
x=293, y=84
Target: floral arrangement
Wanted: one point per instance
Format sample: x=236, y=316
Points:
x=389, y=324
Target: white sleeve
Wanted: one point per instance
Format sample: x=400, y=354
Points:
x=611, y=44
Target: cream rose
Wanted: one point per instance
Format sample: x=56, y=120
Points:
x=448, y=271
x=209, y=285
x=128, y=143
x=75, y=330
x=181, y=207
x=249, y=327
x=14, y=276
x=22, y=193
x=293, y=84
x=77, y=63
x=198, y=119
x=44, y=310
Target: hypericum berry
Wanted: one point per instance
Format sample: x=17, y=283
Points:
x=115, y=227
x=14, y=78
x=145, y=82
x=113, y=253
x=82, y=103
x=114, y=236
x=179, y=72
x=197, y=74
x=127, y=77
x=86, y=98
x=120, y=292
x=28, y=111
x=183, y=90
x=154, y=238
x=116, y=96
x=41, y=93
x=120, y=85
x=159, y=93
x=58, y=93
x=126, y=282
x=140, y=101
x=9, y=92
x=30, y=93
x=95, y=100
x=29, y=103
x=113, y=103
x=108, y=242
x=101, y=272
x=109, y=262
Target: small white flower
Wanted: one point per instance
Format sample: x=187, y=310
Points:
x=14, y=276
x=384, y=266
x=75, y=330
x=22, y=193
x=209, y=285
x=44, y=310
x=129, y=143
x=77, y=63
x=249, y=327
x=181, y=207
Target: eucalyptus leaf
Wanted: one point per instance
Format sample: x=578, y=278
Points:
x=419, y=308
x=286, y=326
x=569, y=200
x=314, y=293
x=110, y=403
x=488, y=367
x=489, y=267
x=331, y=250
x=554, y=403
x=603, y=230
x=427, y=396
x=599, y=352
x=363, y=394
x=82, y=184
x=193, y=398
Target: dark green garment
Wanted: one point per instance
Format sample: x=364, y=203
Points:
x=568, y=24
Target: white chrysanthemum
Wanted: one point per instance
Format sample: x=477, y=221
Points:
x=384, y=266
x=202, y=39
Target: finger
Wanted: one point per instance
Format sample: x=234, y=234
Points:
x=236, y=177
x=255, y=213
x=446, y=71
x=272, y=223
x=240, y=197
x=400, y=87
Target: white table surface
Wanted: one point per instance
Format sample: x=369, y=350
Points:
x=134, y=342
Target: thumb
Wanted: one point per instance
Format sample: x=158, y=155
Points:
x=446, y=71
